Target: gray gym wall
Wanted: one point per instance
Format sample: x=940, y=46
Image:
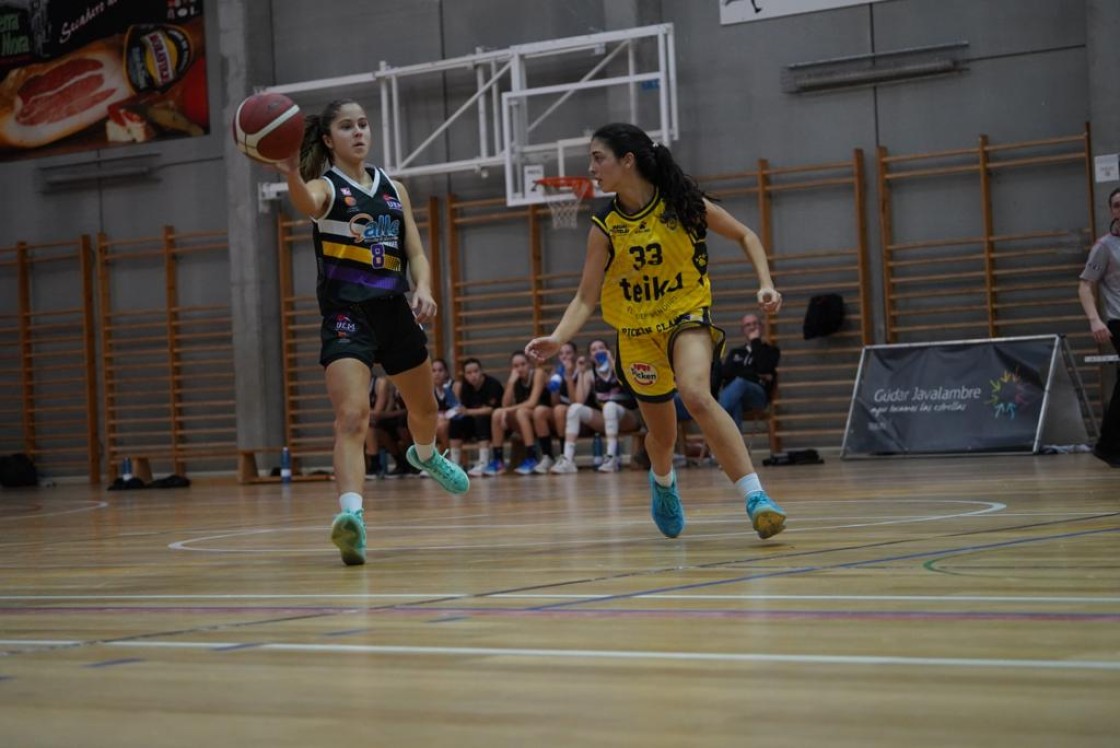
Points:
x=1036, y=69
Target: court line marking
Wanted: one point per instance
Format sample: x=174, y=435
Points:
x=604, y=654
x=783, y=556
x=986, y=507
x=843, y=565
x=114, y=663
x=433, y=601
x=96, y=505
x=1102, y=600
x=427, y=610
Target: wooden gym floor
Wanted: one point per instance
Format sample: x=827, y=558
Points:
x=949, y=602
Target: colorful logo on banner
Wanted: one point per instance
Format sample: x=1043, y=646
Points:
x=1009, y=394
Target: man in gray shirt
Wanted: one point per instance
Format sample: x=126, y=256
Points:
x=1103, y=271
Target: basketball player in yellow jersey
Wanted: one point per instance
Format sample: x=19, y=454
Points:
x=647, y=264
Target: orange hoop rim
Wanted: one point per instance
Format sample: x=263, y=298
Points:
x=581, y=187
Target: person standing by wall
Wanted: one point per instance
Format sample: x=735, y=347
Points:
x=1102, y=272
x=367, y=249
x=647, y=267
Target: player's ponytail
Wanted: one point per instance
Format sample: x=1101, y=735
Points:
x=314, y=156
x=684, y=200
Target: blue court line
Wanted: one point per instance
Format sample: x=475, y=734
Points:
x=111, y=663
x=232, y=647
x=346, y=632
x=768, y=557
x=809, y=569
x=810, y=614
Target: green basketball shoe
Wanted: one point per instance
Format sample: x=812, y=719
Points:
x=442, y=470
x=665, y=507
x=767, y=517
x=348, y=532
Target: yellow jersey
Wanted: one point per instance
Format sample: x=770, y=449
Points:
x=656, y=273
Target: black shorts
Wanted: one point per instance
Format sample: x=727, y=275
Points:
x=391, y=425
x=468, y=428
x=381, y=331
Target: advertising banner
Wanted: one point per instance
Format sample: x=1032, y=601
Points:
x=77, y=75
x=952, y=398
x=742, y=11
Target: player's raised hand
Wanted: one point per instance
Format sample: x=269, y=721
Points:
x=288, y=165
x=769, y=299
x=540, y=350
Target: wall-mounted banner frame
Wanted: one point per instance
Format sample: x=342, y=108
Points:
x=998, y=395
x=742, y=11
x=78, y=75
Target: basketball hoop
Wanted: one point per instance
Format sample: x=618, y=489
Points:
x=567, y=193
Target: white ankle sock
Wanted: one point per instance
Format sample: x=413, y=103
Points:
x=664, y=480
x=748, y=484
x=350, y=502
x=425, y=451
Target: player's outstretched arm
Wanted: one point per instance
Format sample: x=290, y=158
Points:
x=582, y=304
x=309, y=198
x=726, y=225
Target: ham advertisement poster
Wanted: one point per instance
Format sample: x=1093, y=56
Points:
x=88, y=74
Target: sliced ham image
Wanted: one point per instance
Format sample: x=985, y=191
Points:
x=45, y=102
x=127, y=126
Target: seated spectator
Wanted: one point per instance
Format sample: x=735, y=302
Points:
x=447, y=405
x=688, y=451
x=551, y=418
x=373, y=452
x=748, y=372
x=478, y=394
x=389, y=419
x=615, y=410
x=523, y=392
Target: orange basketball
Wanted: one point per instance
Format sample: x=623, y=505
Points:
x=268, y=127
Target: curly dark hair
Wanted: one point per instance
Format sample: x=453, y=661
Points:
x=684, y=200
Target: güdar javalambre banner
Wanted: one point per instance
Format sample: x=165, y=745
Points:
x=83, y=74
x=974, y=396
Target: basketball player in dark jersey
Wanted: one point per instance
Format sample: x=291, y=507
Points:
x=367, y=249
x=646, y=266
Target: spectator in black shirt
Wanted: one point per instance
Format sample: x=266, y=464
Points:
x=748, y=372
x=479, y=394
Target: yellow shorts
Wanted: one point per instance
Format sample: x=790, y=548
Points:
x=645, y=361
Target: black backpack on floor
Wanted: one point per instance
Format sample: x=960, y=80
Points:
x=18, y=470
